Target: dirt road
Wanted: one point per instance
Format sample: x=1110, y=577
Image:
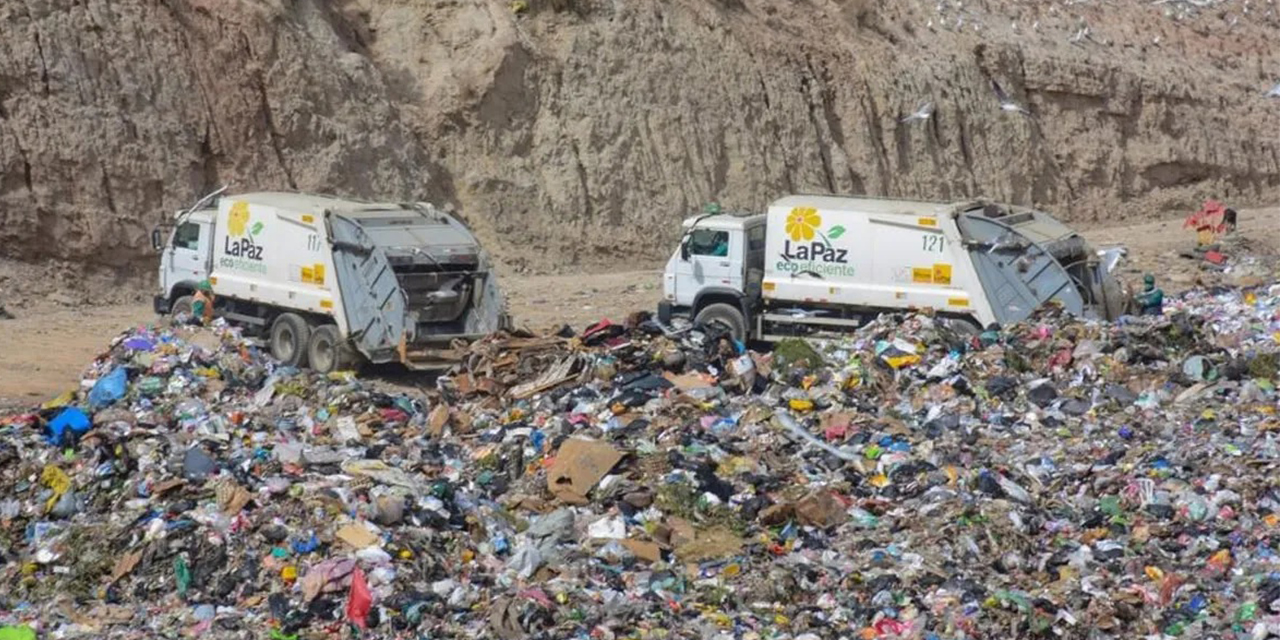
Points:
x=44, y=350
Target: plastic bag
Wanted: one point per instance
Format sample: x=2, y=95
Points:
x=108, y=389
x=67, y=427
x=359, y=600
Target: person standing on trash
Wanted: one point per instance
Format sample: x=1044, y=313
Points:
x=1151, y=300
x=202, y=303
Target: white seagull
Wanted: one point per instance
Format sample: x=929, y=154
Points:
x=1274, y=92
x=923, y=113
x=1007, y=103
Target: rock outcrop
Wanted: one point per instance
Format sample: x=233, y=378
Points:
x=577, y=132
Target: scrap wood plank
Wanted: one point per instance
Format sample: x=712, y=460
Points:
x=558, y=374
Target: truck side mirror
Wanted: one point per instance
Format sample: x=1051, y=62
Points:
x=155, y=239
x=684, y=250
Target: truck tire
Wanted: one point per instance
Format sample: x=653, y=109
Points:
x=290, y=335
x=725, y=315
x=184, y=304
x=965, y=327
x=327, y=351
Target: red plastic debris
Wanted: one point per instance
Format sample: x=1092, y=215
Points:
x=359, y=600
x=1208, y=218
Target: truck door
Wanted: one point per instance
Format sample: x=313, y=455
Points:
x=753, y=267
x=189, y=252
x=711, y=260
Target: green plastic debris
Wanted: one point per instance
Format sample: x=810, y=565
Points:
x=183, y=575
x=150, y=386
x=277, y=634
x=864, y=519
x=1110, y=505
x=22, y=632
x=1015, y=598
x=796, y=351
x=1247, y=611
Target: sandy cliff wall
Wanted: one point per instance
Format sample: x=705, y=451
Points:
x=576, y=132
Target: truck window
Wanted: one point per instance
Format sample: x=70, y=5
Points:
x=187, y=236
x=706, y=242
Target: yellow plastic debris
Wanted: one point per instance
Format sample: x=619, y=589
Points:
x=801, y=405
x=55, y=479
x=734, y=465
x=898, y=362
x=60, y=401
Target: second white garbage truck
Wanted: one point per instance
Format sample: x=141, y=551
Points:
x=821, y=263
x=328, y=282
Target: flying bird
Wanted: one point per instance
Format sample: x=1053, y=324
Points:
x=923, y=113
x=1007, y=103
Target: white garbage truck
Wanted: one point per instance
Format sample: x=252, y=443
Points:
x=816, y=264
x=329, y=283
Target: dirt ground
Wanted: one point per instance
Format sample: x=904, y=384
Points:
x=45, y=348
x=47, y=345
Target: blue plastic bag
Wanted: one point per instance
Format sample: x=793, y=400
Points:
x=139, y=343
x=68, y=426
x=108, y=389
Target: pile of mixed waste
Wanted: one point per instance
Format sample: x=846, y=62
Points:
x=1056, y=478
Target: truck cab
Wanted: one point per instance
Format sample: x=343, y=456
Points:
x=186, y=258
x=716, y=268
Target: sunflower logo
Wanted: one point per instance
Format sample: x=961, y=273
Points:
x=802, y=222
x=238, y=219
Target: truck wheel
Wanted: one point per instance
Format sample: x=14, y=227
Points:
x=327, y=351
x=726, y=316
x=183, y=305
x=965, y=327
x=290, y=336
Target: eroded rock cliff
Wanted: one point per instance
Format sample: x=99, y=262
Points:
x=577, y=132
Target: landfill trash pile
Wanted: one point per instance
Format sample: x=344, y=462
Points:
x=1055, y=478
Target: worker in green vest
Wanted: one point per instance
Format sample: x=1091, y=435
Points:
x=202, y=302
x=1151, y=300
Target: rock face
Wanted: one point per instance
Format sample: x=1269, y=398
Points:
x=578, y=132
